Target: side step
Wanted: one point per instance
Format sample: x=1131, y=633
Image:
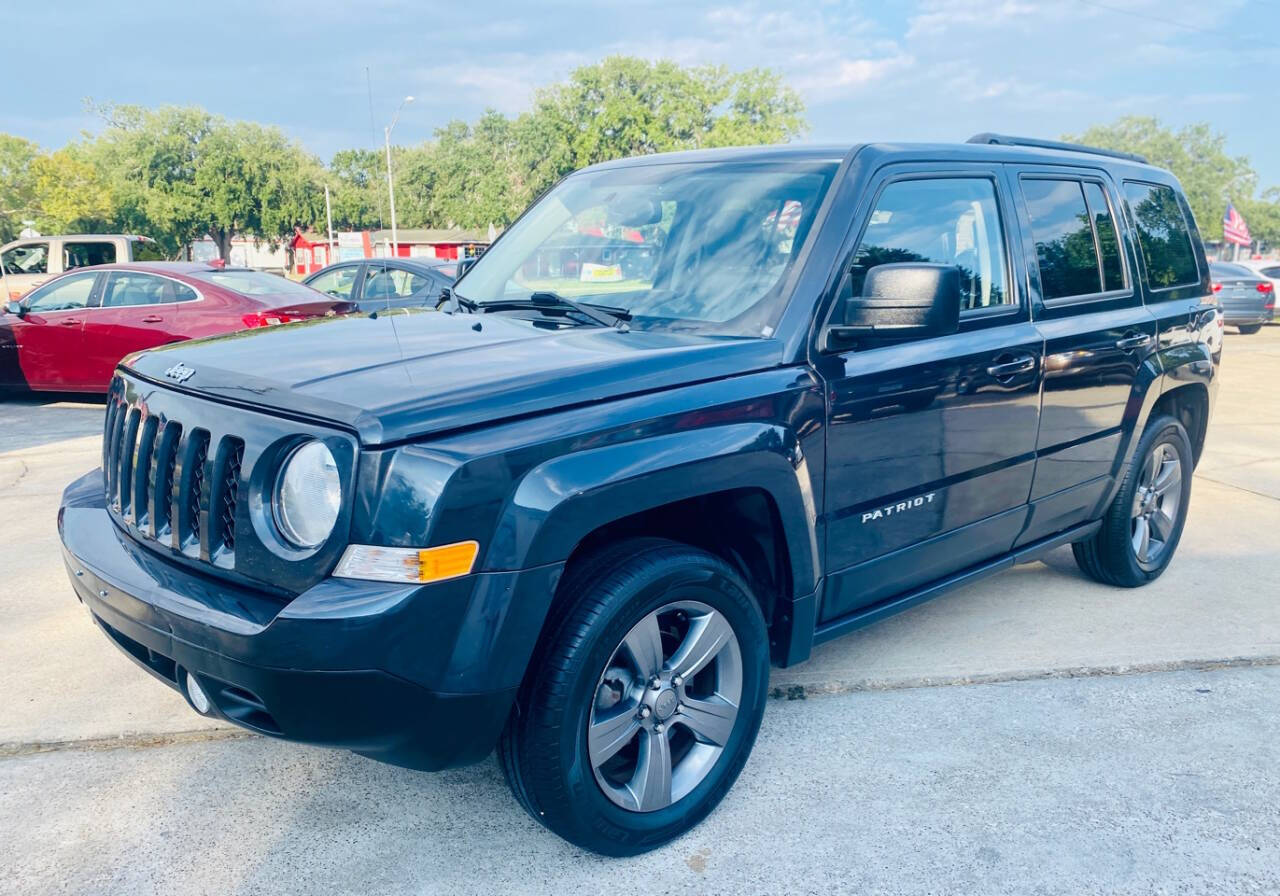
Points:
x=830, y=630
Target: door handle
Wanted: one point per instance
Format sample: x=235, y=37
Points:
x=1129, y=343
x=1005, y=370
x=152, y=319
x=71, y=322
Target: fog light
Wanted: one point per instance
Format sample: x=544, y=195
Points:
x=199, y=699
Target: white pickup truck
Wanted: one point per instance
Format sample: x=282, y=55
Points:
x=28, y=262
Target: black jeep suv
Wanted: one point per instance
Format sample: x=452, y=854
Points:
x=689, y=416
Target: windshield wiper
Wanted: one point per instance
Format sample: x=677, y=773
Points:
x=601, y=314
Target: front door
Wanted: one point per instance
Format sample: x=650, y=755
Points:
x=931, y=443
x=1099, y=341
x=50, y=334
x=137, y=311
x=25, y=266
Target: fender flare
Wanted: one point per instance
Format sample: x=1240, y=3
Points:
x=561, y=501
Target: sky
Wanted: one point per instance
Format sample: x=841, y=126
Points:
x=938, y=70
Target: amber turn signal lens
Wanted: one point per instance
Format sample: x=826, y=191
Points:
x=418, y=565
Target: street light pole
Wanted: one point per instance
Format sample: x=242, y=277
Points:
x=391, y=192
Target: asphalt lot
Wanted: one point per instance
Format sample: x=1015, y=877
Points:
x=1033, y=733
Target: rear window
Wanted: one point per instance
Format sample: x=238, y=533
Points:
x=1220, y=269
x=1163, y=234
x=257, y=283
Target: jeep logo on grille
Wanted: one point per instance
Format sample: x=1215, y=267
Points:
x=180, y=372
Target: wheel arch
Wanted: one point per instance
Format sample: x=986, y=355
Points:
x=740, y=491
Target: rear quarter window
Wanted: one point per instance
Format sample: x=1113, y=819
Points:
x=1163, y=235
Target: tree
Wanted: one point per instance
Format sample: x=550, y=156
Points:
x=71, y=193
x=149, y=158
x=17, y=184
x=625, y=106
x=1196, y=154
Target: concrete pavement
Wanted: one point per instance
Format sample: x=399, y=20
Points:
x=1159, y=783
x=889, y=816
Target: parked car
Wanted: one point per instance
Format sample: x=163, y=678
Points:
x=68, y=334
x=579, y=512
x=1248, y=298
x=27, y=263
x=383, y=282
x=1266, y=267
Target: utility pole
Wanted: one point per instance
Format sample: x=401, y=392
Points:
x=328, y=214
x=391, y=191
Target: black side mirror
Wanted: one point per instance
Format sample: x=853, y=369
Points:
x=16, y=308
x=900, y=301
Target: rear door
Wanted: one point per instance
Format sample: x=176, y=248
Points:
x=50, y=334
x=342, y=281
x=1099, y=339
x=931, y=442
x=137, y=310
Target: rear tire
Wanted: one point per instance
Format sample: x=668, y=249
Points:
x=609, y=745
x=1143, y=525
x=1249, y=329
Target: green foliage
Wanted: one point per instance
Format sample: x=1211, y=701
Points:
x=1196, y=154
x=17, y=184
x=178, y=173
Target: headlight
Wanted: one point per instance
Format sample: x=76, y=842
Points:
x=308, y=495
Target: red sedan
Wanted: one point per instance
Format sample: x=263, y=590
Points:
x=68, y=334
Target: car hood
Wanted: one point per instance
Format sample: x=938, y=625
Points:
x=400, y=375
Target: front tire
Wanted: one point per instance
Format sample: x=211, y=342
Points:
x=643, y=700
x=1143, y=525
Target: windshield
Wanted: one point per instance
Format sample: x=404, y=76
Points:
x=702, y=247
x=257, y=283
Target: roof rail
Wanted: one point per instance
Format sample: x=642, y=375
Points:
x=1007, y=140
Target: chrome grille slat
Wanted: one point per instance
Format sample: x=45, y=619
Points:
x=128, y=446
x=193, y=495
x=162, y=495
x=143, y=472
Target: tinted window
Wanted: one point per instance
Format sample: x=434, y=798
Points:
x=1065, y=249
x=1271, y=272
x=127, y=288
x=29, y=258
x=83, y=255
x=63, y=294
x=337, y=282
x=1104, y=226
x=1163, y=235
x=954, y=221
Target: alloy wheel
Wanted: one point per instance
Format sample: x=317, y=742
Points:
x=1155, y=504
x=665, y=706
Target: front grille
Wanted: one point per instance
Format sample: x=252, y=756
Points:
x=171, y=484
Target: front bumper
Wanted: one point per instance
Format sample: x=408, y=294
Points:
x=422, y=676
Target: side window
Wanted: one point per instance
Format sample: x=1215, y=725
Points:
x=1104, y=226
x=83, y=255
x=129, y=288
x=337, y=282
x=29, y=258
x=143, y=249
x=386, y=283
x=1063, y=231
x=1163, y=235
x=64, y=294
x=954, y=221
